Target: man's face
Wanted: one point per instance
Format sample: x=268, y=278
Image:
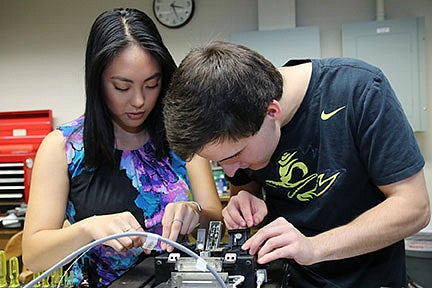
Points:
x=253, y=152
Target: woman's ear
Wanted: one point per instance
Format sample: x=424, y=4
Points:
x=274, y=110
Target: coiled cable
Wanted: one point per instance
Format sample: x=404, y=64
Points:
x=201, y=263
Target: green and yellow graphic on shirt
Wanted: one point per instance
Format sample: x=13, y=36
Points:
x=306, y=187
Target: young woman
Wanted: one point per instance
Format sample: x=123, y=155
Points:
x=111, y=170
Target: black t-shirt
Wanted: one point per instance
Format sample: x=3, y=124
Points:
x=349, y=135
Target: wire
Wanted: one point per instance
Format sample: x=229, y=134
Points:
x=70, y=268
x=76, y=253
x=261, y=277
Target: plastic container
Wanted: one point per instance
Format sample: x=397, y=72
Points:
x=419, y=258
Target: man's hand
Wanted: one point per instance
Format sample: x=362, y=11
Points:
x=280, y=239
x=244, y=210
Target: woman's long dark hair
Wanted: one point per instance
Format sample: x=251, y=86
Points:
x=112, y=32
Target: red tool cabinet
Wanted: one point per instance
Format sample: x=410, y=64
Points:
x=21, y=133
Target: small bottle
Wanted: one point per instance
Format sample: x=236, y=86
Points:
x=14, y=272
x=3, y=269
x=222, y=185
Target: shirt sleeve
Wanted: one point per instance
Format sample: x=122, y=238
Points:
x=385, y=138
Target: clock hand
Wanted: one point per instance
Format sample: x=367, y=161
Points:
x=173, y=6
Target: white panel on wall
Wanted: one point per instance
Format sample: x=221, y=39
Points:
x=279, y=46
x=398, y=48
x=276, y=14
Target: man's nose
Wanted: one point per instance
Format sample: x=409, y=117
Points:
x=230, y=169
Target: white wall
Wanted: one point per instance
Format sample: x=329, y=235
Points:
x=42, y=44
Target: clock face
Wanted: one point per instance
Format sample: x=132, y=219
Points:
x=173, y=13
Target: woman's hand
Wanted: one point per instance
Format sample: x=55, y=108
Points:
x=180, y=218
x=105, y=225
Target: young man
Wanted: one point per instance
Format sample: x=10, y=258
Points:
x=328, y=143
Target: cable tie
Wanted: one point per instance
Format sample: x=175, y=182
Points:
x=150, y=242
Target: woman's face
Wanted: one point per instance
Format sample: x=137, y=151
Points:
x=132, y=83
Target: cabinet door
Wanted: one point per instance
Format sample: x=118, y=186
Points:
x=398, y=48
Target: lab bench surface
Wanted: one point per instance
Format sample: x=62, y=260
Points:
x=142, y=276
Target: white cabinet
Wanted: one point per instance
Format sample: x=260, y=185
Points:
x=398, y=48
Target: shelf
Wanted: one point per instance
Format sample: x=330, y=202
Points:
x=224, y=198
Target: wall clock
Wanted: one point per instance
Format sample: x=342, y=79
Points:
x=173, y=13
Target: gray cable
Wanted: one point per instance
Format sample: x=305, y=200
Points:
x=78, y=252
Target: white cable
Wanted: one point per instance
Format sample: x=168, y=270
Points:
x=261, y=277
x=237, y=280
x=152, y=236
x=69, y=268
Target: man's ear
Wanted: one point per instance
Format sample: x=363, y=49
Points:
x=274, y=110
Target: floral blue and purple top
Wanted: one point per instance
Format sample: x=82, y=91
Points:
x=142, y=184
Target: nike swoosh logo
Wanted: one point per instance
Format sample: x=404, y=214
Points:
x=325, y=116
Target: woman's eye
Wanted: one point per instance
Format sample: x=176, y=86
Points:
x=153, y=86
x=121, y=88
